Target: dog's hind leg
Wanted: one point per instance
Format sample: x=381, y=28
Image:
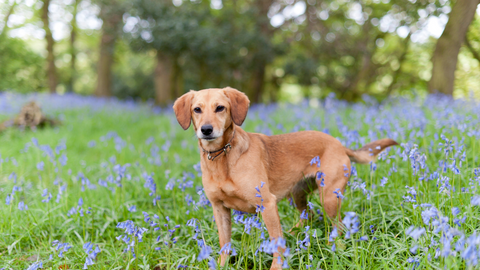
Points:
x=336, y=173
x=300, y=194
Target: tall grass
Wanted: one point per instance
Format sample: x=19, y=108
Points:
x=118, y=186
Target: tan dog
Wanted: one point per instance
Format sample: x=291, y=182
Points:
x=235, y=162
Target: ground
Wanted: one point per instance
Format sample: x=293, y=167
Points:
x=117, y=186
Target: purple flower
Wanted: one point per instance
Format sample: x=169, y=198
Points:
x=91, y=254
x=9, y=199
x=351, y=223
x=35, y=266
x=40, y=165
x=338, y=193
x=204, y=253
x=227, y=248
x=333, y=234
x=415, y=233
x=315, y=160
x=22, y=206
x=383, y=181
x=63, y=160
x=363, y=238
x=304, y=214
x=475, y=200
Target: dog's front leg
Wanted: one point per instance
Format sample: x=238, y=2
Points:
x=224, y=225
x=272, y=221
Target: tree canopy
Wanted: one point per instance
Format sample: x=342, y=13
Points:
x=269, y=49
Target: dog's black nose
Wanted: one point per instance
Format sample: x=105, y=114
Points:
x=207, y=130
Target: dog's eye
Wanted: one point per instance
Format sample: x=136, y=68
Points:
x=197, y=110
x=219, y=109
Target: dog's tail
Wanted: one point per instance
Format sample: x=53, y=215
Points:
x=368, y=152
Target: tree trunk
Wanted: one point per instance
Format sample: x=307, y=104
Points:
x=73, y=53
x=51, y=70
x=111, y=20
x=163, y=79
x=445, y=56
x=255, y=91
x=177, y=79
x=258, y=82
x=7, y=17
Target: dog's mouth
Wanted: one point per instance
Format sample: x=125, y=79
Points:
x=208, y=138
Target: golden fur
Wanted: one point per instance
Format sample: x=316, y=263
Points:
x=282, y=162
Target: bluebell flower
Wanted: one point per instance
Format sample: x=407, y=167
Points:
x=63, y=160
x=46, y=194
x=304, y=214
x=383, y=181
x=22, y=206
x=475, y=200
x=315, y=160
x=9, y=199
x=415, y=233
x=333, y=234
x=271, y=246
x=16, y=189
x=351, y=223
x=91, y=144
x=363, y=238
x=413, y=261
x=40, y=165
x=13, y=176
x=204, y=253
x=91, y=254
x=338, y=193
x=429, y=214
x=212, y=264
x=310, y=205
x=227, y=249
x=62, y=247
x=320, y=176
x=35, y=266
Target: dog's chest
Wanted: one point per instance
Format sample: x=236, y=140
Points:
x=220, y=188
x=228, y=194
x=229, y=188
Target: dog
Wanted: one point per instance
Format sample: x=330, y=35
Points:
x=236, y=163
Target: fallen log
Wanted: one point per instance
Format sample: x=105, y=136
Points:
x=30, y=116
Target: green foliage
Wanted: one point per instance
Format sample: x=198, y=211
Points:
x=212, y=48
x=97, y=141
x=349, y=48
x=132, y=75
x=20, y=68
x=341, y=46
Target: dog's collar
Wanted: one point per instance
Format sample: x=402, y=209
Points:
x=221, y=150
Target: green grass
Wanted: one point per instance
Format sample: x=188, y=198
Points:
x=26, y=236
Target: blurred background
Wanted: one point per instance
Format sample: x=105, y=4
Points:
x=273, y=50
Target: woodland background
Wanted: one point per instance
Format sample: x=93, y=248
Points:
x=274, y=50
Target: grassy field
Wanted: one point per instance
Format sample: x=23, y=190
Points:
x=118, y=186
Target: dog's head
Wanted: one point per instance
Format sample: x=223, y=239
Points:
x=212, y=111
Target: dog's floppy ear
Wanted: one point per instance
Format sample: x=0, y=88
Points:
x=182, y=109
x=238, y=105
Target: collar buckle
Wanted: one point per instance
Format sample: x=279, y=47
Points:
x=221, y=150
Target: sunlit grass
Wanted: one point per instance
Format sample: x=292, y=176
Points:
x=122, y=148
